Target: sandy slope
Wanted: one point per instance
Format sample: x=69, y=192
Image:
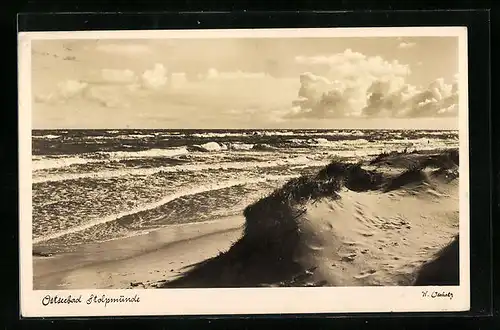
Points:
x=372, y=239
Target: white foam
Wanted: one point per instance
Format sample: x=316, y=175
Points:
x=420, y=144
x=218, y=135
x=140, y=136
x=177, y=168
x=166, y=199
x=277, y=133
x=150, y=153
x=99, y=137
x=241, y=146
x=211, y=147
x=50, y=163
x=42, y=163
x=49, y=136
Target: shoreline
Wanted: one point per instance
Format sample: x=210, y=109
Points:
x=97, y=265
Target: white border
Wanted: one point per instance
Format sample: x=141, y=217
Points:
x=241, y=300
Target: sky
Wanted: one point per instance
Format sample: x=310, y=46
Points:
x=364, y=82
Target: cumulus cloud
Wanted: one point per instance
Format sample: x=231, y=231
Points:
x=404, y=45
x=64, y=90
x=355, y=85
x=106, y=95
x=438, y=99
x=111, y=86
x=155, y=78
x=319, y=97
x=351, y=63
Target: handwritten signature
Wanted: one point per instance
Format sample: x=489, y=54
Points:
x=437, y=294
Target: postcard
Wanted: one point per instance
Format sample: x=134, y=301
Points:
x=252, y=171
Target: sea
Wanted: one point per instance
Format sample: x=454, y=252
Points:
x=92, y=186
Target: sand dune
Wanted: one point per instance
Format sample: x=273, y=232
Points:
x=347, y=226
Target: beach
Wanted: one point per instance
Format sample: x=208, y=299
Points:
x=137, y=262
x=162, y=209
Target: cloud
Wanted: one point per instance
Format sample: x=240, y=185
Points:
x=349, y=64
x=64, y=90
x=405, y=45
x=155, y=78
x=318, y=97
x=437, y=100
x=215, y=92
x=355, y=85
x=107, y=96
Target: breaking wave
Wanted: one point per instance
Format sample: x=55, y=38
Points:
x=180, y=194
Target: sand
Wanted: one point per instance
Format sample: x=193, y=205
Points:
x=137, y=262
x=380, y=240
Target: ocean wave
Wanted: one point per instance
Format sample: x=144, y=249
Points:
x=276, y=133
x=56, y=162
x=39, y=163
x=208, y=147
x=217, y=135
x=420, y=143
x=345, y=148
x=141, y=136
x=241, y=146
x=99, y=137
x=264, y=147
x=166, y=199
x=150, y=153
x=177, y=168
x=46, y=137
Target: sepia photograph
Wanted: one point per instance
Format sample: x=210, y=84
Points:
x=264, y=161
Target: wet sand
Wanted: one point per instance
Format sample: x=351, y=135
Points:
x=138, y=261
